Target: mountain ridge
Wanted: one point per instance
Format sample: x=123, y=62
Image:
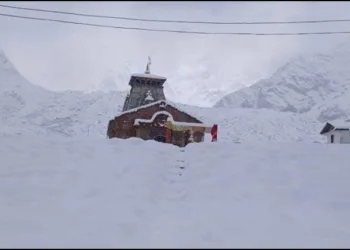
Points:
x=315, y=83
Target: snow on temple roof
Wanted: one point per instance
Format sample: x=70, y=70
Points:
x=189, y=110
x=185, y=110
x=189, y=123
x=147, y=73
x=171, y=119
x=149, y=76
x=141, y=107
x=137, y=121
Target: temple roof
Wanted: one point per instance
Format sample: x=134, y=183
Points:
x=149, y=76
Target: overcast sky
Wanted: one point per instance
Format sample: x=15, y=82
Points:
x=61, y=56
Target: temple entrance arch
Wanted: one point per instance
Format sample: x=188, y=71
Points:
x=160, y=138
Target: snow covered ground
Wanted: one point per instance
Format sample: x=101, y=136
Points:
x=91, y=192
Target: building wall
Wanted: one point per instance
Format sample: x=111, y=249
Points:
x=110, y=129
x=138, y=94
x=148, y=112
x=340, y=137
x=123, y=126
x=178, y=138
x=344, y=137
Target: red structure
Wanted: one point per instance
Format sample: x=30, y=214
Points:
x=147, y=115
x=214, y=133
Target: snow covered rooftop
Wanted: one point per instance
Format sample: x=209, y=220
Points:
x=155, y=103
x=171, y=119
x=341, y=125
x=137, y=121
x=141, y=107
x=331, y=127
x=149, y=76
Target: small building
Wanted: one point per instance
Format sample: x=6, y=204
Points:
x=339, y=134
x=148, y=115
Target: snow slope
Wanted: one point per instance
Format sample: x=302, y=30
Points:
x=26, y=108
x=30, y=110
x=249, y=125
x=202, y=85
x=63, y=193
x=317, y=82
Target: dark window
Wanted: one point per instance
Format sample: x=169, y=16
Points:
x=332, y=138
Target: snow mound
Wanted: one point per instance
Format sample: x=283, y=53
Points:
x=249, y=125
x=94, y=193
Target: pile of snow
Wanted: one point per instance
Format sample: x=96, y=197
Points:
x=249, y=125
x=94, y=193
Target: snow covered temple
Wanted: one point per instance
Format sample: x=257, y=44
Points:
x=148, y=115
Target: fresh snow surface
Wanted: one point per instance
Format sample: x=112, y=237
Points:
x=95, y=193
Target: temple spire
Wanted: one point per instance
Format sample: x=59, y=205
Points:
x=145, y=88
x=148, y=70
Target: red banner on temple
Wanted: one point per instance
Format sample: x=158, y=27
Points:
x=214, y=133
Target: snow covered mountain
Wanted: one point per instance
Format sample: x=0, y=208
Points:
x=29, y=109
x=201, y=85
x=316, y=83
x=114, y=81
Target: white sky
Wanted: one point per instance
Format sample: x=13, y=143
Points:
x=61, y=56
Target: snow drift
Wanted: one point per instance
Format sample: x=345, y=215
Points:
x=63, y=193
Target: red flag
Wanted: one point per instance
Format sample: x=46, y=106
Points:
x=214, y=133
